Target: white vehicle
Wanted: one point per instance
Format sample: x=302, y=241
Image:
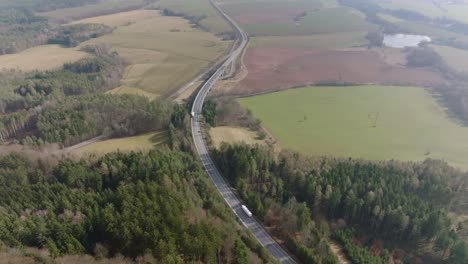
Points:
x=246, y=210
x=192, y=114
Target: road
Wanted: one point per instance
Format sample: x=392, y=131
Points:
x=197, y=133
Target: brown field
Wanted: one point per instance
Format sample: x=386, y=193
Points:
x=120, y=19
x=272, y=69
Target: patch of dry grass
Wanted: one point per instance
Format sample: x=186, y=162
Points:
x=41, y=58
x=233, y=135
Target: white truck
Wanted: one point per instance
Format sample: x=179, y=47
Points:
x=246, y=210
x=192, y=114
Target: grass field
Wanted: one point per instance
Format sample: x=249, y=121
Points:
x=199, y=8
x=457, y=59
x=319, y=41
x=103, y=7
x=120, y=19
x=233, y=135
x=41, y=58
x=164, y=52
x=296, y=17
x=339, y=121
x=144, y=142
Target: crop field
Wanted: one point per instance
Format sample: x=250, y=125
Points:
x=233, y=135
x=370, y=122
x=457, y=59
x=41, y=58
x=103, y=7
x=144, y=142
x=261, y=18
x=164, y=52
x=271, y=69
x=318, y=41
x=199, y=8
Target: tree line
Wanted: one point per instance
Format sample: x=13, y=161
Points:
x=402, y=203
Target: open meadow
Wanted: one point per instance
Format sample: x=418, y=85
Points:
x=164, y=52
x=369, y=122
x=232, y=135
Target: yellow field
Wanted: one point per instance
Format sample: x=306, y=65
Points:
x=233, y=135
x=46, y=57
x=164, y=52
x=144, y=142
x=457, y=59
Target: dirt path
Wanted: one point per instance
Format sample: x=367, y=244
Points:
x=338, y=251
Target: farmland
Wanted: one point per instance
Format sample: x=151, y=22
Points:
x=41, y=58
x=316, y=41
x=273, y=69
x=164, y=52
x=144, y=142
x=296, y=18
x=370, y=122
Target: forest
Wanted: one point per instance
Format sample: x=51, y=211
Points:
x=404, y=204
x=158, y=204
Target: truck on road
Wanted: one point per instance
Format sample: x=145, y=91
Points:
x=246, y=210
x=192, y=114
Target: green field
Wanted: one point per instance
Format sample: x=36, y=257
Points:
x=339, y=121
x=457, y=59
x=144, y=142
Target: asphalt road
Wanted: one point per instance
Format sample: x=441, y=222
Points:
x=231, y=199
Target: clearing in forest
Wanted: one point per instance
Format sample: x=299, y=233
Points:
x=369, y=122
x=41, y=58
x=144, y=142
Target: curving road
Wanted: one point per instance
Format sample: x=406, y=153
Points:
x=231, y=199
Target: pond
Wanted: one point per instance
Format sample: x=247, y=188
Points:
x=404, y=40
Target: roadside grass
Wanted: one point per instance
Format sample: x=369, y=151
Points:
x=369, y=122
x=92, y=10
x=318, y=41
x=164, y=52
x=212, y=20
x=41, y=58
x=144, y=143
x=457, y=59
x=233, y=135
